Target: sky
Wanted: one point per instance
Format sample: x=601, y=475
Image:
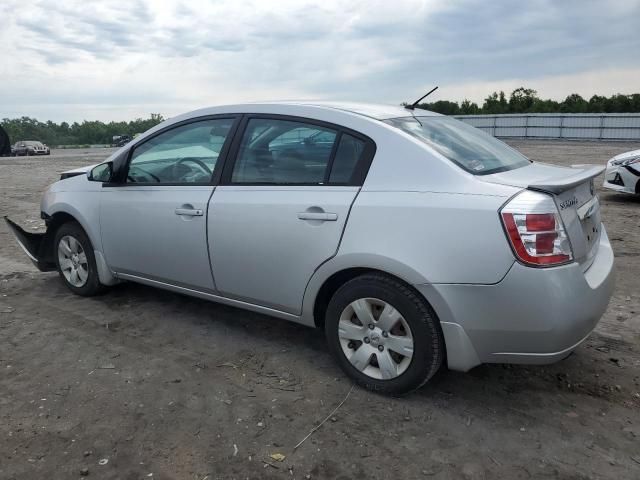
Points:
x=68, y=60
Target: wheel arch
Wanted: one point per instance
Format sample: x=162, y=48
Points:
x=330, y=286
x=459, y=353
x=65, y=215
x=60, y=218
x=335, y=273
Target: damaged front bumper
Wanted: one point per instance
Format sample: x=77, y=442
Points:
x=37, y=246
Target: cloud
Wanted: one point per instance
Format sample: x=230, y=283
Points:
x=73, y=59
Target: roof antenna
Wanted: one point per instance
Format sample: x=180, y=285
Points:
x=413, y=105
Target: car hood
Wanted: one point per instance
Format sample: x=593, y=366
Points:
x=542, y=176
x=626, y=155
x=76, y=171
x=81, y=169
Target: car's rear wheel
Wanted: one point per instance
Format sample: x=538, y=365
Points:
x=384, y=334
x=76, y=261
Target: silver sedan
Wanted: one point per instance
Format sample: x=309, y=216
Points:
x=414, y=240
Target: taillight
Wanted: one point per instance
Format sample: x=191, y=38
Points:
x=535, y=230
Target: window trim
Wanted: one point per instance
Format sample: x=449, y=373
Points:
x=360, y=171
x=123, y=167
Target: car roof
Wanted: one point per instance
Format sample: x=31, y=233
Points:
x=377, y=111
x=369, y=110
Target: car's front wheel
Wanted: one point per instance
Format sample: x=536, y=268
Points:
x=76, y=261
x=384, y=334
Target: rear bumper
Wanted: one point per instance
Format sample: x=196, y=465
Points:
x=37, y=246
x=532, y=316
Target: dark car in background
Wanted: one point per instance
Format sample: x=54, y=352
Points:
x=120, y=140
x=30, y=147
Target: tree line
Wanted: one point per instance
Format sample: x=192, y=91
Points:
x=526, y=100
x=85, y=133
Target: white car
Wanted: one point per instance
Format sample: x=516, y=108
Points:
x=623, y=173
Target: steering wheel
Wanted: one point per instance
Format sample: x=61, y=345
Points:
x=144, y=172
x=197, y=161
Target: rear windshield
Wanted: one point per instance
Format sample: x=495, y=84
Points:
x=466, y=146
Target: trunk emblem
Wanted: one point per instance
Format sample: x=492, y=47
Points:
x=568, y=203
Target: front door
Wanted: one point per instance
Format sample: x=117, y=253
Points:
x=154, y=222
x=281, y=209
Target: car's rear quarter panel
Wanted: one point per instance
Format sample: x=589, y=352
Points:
x=442, y=237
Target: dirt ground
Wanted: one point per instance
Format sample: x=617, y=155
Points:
x=141, y=383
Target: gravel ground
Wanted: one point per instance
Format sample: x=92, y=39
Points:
x=141, y=383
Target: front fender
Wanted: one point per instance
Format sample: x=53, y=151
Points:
x=79, y=198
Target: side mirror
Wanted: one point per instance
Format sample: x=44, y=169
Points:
x=101, y=173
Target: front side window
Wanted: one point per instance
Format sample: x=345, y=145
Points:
x=185, y=154
x=468, y=147
x=283, y=152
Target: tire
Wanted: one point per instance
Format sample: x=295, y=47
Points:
x=70, y=238
x=413, y=368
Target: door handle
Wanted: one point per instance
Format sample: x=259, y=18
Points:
x=323, y=216
x=189, y=212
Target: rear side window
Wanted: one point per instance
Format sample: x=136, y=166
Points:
x=348, y=154
x=470, y=148
x=283, y=152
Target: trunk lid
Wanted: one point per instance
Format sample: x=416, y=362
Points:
x=573, y=191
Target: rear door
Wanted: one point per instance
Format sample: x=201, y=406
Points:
x=281, y=207
x=153, y=220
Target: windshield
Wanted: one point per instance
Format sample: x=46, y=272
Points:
x=466, y=146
